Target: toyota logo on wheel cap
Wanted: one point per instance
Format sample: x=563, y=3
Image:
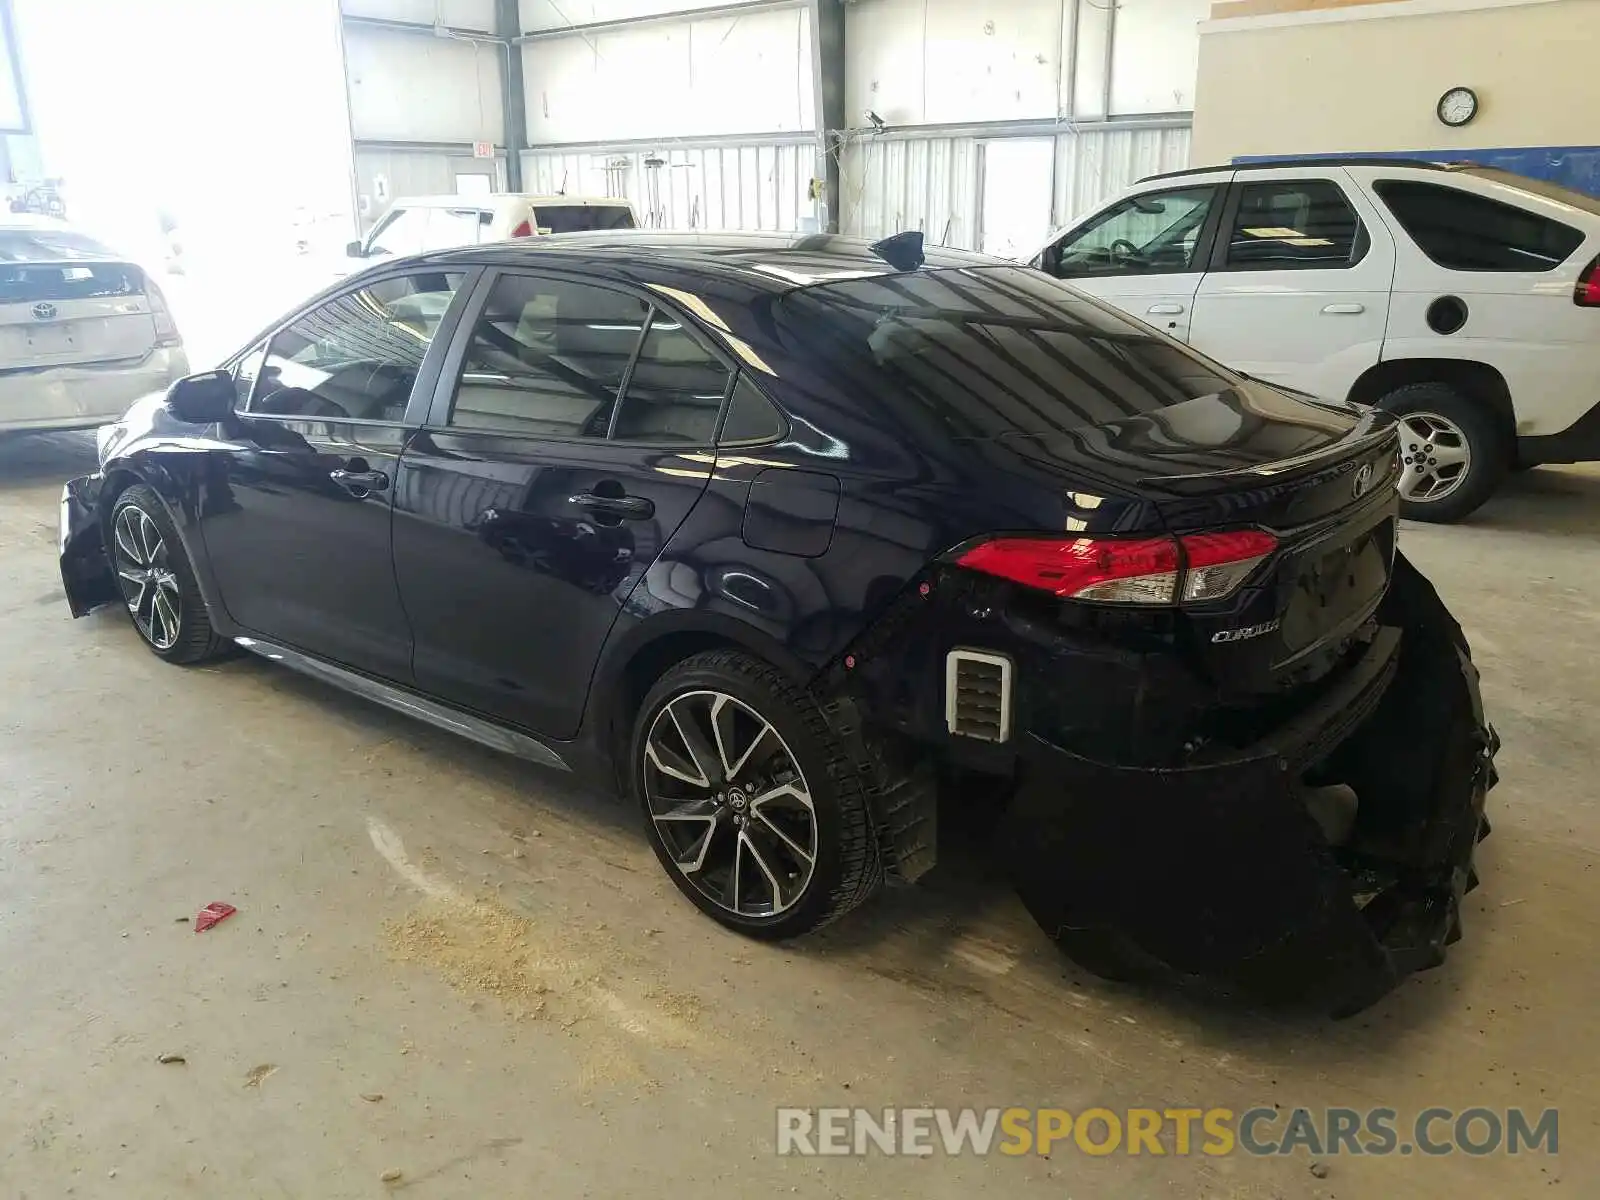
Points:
x=1363, y=482
x=43, y=311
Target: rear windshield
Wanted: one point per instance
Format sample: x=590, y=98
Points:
x=583, y=218
x=22, y=282
x=995, y=350
x=48, y=245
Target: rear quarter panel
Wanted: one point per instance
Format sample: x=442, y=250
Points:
x=906, y=495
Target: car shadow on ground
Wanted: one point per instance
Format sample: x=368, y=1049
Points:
x=33, y=459
x=1563, y=500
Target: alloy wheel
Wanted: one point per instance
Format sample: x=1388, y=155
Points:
x=730, y=804
x=1435, y=457
x=144, y=571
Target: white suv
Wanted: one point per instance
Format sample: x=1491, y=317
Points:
x=418, y=224
x=1466, y=300
x=83, y=332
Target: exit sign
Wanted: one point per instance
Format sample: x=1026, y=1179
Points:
x=482, y=149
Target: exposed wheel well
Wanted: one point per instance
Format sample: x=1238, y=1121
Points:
x=652, y=660
x=1477, y=381
x=116, y=483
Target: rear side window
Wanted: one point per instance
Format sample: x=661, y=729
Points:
x=546, y=358
x=984, y=352
x=675, y=389
x=1286, y=224
x=356, y=356
x=751, y=416
x=582, y=218
x=1466, y=232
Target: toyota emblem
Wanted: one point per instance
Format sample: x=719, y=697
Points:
x=44, y=311
x=1363, y=482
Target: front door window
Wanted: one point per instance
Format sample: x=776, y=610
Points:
x=1155, y=233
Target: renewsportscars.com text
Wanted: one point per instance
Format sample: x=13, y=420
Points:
x=1160, y=1131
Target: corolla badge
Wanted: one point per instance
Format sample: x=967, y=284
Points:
x=1245, y=634
x=1362, y=484
x=44, y=311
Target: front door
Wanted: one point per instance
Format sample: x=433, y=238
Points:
x=534, y=501
x=296, y=520
x=1298, y=287
x=1145, y=253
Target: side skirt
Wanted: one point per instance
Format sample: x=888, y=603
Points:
x=487, y=733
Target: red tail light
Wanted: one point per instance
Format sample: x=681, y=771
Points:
x=1587, y=293
x=523, y=230
x=1143, y=571
x=1162, y=570
x=166, y=328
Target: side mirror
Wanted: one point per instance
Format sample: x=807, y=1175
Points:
x=202, y=399
x=355, y=249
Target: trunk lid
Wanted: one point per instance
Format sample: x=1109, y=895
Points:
x=69, y=312
x=1335, y=512
x=1319, y=477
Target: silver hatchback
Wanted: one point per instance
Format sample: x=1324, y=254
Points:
x=83, y=332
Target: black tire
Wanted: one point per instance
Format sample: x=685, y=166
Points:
x=1490, y=455
x=847, y=867
x=194, y=639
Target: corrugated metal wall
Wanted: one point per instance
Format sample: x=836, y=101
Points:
x=713, y=187
x=934, y=184
x=1091, y=166
x=414, y=173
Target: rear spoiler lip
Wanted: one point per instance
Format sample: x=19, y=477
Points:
x=1332, y=452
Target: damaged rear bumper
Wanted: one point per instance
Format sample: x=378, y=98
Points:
x=1217, y=872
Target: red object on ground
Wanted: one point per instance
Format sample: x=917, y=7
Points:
x=211, y=914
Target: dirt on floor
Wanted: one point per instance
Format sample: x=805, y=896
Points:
x=452, y=974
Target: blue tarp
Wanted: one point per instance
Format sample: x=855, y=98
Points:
x=1576, y=167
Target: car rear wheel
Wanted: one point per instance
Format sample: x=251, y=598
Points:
x=1452, y=453
x=157, y=580
x=752, y=801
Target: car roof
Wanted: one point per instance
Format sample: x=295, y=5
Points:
x=783, y=261
x=492, y=198
x=1309, y=160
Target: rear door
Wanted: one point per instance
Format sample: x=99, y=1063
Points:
x=64, y=299
x=533, y=502
x=1297, y=292
x=1145, y=253
x=296, y=518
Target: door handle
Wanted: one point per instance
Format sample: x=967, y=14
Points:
x=359, y=483
x=1345, y=310
x=629, y=508
x=1165, y=310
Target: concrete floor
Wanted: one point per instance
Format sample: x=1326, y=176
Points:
x=502, y=960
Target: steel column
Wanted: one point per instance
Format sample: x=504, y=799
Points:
x=827, y=71
x=513, y=94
